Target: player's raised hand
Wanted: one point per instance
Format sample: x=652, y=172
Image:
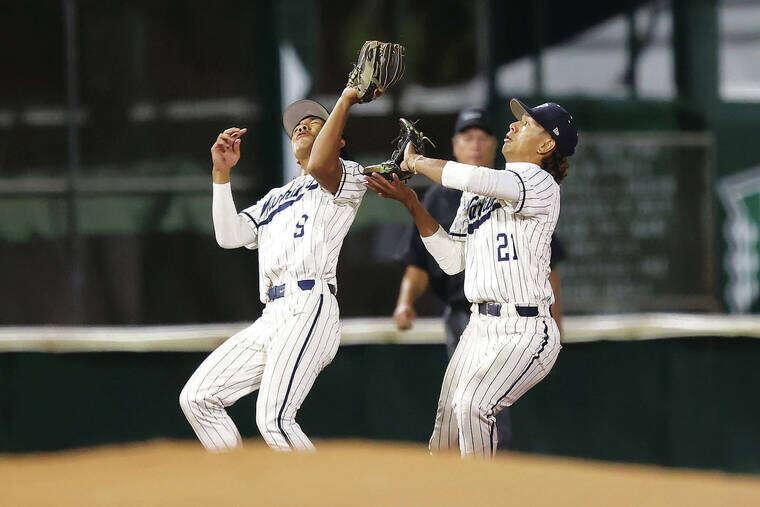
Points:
x=350, y=94
x=225, y=152
x=409, y=154
x=395, y=189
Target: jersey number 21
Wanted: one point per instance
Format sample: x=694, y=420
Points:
x=502, y=251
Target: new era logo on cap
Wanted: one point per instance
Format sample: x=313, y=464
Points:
x=556, y=131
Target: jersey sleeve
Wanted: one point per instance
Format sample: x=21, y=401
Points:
x=253, y=215
x=458, y=229
x=413, y=251
x=538, y=192
x=351, y=188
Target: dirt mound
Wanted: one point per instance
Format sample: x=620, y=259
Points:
x=347, y=473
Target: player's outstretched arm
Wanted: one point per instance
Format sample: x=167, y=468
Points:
x=230, y=229
x=323, y=161
x=430, y=167
x=468, y=178
x=448, y=253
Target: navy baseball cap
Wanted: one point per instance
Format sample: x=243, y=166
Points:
x=299, y=110
x=556, y=121
x=472, y=117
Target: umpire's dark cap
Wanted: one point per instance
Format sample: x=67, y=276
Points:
x=472, y=117
x=299, y=110
x=556, y=121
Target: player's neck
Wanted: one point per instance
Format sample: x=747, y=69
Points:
x=303, y=163
x=530, y=159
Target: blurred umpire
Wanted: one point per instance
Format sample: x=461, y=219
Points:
x=473, y=143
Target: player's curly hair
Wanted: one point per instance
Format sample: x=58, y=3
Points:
x=556, y=164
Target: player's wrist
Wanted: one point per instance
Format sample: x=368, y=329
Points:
x=221, y=167
x=410, y=202
x=349, y=95
x=413, y=161
x=220, y=175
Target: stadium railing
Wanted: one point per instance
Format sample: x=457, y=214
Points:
x=362, y=331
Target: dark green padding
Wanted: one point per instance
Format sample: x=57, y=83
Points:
x=686, y=402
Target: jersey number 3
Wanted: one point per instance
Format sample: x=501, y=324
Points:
x=502, y=251
x=299, y=226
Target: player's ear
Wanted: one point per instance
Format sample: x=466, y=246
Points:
x=342, y=143
x=546, y=146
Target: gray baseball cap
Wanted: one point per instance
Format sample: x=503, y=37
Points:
x=299, y=110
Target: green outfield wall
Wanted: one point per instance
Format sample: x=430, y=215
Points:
x=676, y=402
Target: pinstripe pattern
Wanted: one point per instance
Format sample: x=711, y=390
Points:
x=299, y=233
x=324, y=219
x=497, y=361
x=507, y=253
x=446, y=428
x=298, y=355
x=295, y=371
x=281, y=354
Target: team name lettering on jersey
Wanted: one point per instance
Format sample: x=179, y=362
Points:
x=479, y=210
x=286, y=198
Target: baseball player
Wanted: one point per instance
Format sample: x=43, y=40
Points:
x=299, y=230
x=500, y=237
x=474, y=144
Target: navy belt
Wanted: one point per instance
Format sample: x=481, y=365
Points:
x=278, y=291
x=495, y=310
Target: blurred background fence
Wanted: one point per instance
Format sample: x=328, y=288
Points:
x=106, y=121
x=108, y=113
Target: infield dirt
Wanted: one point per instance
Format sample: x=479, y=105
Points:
x=348, y=473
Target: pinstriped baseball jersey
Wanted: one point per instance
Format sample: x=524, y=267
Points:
x=507, y=246
x=300, y=228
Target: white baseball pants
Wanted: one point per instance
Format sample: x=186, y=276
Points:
x=281, y=355
x=498, y=359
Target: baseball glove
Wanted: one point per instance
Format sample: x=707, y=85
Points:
x=380, y=66
x=408, y=134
